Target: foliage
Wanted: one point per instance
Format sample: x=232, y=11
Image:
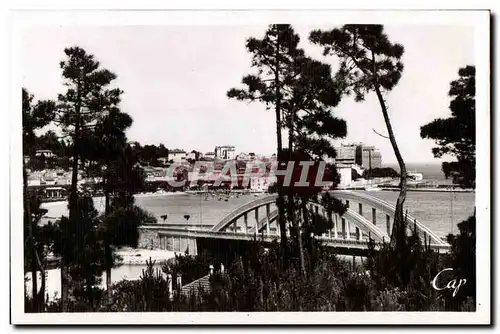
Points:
x=456, y=135
x=380, y=172
x=272, y=57
x=150, y=154
x=369, y=61
x=189, y=267
x=463, y=262
x=35, y=116
x=78, y=244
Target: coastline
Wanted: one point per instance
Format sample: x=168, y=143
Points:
x=139, y=256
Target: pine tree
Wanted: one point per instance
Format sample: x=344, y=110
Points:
x=86, y=99
x=35, y=116
x=271, y=56
x=456, y=135
x=369, y=62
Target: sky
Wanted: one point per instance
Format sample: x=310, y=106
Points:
x=175, y=80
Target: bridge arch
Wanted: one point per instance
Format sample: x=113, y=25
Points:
x=351, y=216
x=389, y=210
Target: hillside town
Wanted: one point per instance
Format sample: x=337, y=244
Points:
x=53, y=179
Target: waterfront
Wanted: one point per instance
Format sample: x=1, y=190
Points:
x=441, y=212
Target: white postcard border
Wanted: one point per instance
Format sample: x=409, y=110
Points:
x=478, y=19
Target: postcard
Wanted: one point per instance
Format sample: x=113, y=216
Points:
x=289, y=167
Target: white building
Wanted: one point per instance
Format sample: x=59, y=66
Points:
x=226, y=152
x=177, y=155
x=261, y=183
x=345, y=173
x=45, y=153
x=243, y=156
x=209, y=155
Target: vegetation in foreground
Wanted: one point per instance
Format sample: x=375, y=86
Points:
x=254, y=282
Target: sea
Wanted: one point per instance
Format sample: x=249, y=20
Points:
x=431, y=171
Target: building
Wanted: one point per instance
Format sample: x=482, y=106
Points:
x=345, y=172
x=226, y=152
x=365, y=156
x=243, y=156
x=368, y=157
x=191, y=156
x=210, y=155
x=45, y=153
x=177, y=155
x=261, y=183
x=55, y=192
x=346, y=154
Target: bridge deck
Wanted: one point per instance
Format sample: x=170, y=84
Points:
x=229, y=235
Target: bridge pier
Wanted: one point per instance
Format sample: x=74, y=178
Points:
x=374, y=216
x=344, y=229
x=359, y=234
x=256, y=221
x=245, y=218
x=330, y=218
x=388, y=224
x=336, y=227
x=268, y=214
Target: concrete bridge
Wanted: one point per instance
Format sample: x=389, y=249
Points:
x=366, y=217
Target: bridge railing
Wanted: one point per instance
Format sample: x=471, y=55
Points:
x=388, y=209
x=196, y=233
x=255, y=204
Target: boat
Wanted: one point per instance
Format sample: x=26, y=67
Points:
x=415, y=176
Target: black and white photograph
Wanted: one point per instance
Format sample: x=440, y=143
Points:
x=250, y=167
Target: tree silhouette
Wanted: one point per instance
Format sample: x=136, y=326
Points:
x=85, y=101
x=272, y=57
x=369, y=62
x=34, y=116
x=456, y=135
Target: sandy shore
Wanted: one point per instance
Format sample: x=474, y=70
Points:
x=140, y=256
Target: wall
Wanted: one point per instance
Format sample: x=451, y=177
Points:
x=151, y=239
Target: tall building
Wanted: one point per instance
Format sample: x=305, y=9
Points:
x=359, y=154
x=226, y=152
x=346, y=154
x=368, y=157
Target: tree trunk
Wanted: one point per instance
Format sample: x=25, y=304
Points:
x=299, y=236
x=40, y=296
x=108, y=273
x=107, y=249
x=31, y=228
x=281, y=204
x=73, y=202
x=398, y=236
